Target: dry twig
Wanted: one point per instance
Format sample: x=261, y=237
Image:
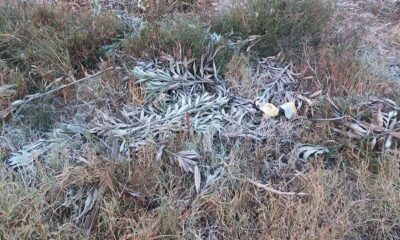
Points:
x=271, y=190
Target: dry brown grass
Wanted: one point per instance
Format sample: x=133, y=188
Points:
x=350, y=193
x=238, y=75
x=44, y=43
x=354, y=197
x=344, y=74
x=395, y=37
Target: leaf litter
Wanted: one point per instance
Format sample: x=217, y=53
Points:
x=190, y=95
x=185, y=95
x=375, y=121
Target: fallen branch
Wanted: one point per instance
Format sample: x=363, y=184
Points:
x=265, y=187
x=32, y=97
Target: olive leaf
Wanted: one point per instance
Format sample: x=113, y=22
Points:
x=197, y=178
x=304, y=152
x=390, y=120
x=160, y=153
x=28, y=154
x=186, y=160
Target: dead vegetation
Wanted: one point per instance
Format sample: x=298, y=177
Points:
x=121, y=121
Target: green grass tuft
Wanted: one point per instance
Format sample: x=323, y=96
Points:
x=283, y=25
x=177, y=37
x=45, y=42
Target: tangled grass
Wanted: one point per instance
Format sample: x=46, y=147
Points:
x=168, y=143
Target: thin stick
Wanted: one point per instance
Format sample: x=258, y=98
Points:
x=10, y=35
x=265, y=187
x=329, y=119
x=36, y=96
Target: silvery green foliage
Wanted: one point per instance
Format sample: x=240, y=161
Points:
x=279, y=81
x=181, y=95
x=306, y=151
x=28, y=154
x=158, y=121
x=183, y=76
x=379, y=125
x=186, y=95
